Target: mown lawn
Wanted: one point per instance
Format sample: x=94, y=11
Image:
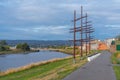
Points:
x=50, y=71
x=117, y=72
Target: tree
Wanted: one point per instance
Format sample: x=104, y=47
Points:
x=3, y=42
x=19, y=46
x=4, y=46
x=24, y=47
x=113, y=43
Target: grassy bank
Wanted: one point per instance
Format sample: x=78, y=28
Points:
x=117, y=71
x=116, y=63
x=51, y=70
x=116, y=58
x=70, y=51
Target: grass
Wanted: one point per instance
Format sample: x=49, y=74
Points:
x=116, y=61
x=50, y=70
x=115, y=58
x=117, y=72
x=70, y=51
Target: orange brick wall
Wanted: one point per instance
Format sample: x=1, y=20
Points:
x=102, y=46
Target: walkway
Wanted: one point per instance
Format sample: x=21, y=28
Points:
x=98, y=69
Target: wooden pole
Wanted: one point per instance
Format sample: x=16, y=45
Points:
x=81, y=32
x=74, y=52
x=86, y=34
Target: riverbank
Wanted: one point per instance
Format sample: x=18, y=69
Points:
x=59, y=67
x=16, y=51
x=70, y=51
x=66, y=51
x=54, y=69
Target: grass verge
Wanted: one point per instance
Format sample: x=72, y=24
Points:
x=116, y=64
x=70, y=51
x=117, y=71
x=115, y=58
x=51, y=70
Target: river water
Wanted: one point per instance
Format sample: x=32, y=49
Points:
x=8, y=61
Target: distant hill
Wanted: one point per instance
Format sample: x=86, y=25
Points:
x=40, y=43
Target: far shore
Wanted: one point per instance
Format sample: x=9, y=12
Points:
x=62, y=50
x=16, y=51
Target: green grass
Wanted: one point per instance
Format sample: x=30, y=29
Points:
x=49, y=71
x=70, y=51
x=117, y=72
x=114, y=58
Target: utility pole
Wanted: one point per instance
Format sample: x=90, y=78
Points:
x=81, y=32
x=86, y=34
x=74, y=35
x=84, y=28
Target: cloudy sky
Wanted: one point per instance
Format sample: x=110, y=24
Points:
x=51, y=19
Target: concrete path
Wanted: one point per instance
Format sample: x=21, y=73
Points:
x=98, y=69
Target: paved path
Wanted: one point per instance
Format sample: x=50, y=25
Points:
x=98, y=69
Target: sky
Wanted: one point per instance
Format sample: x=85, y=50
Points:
x=51, y=19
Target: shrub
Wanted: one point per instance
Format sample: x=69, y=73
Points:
x=4, y=48
x=3, y=42
x=115, y=60
x=24, y=47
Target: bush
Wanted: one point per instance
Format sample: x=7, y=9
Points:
x=24, y=47
x=7, y=48
x=4, y=48
x=3, y=42
x=115, y=60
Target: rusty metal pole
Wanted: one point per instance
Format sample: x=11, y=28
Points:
x=74, y=36
x=81, y=32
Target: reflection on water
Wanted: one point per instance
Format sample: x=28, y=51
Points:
x=16, y=60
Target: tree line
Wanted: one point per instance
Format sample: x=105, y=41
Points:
x=21, y=46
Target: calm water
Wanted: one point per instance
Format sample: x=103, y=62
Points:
x=16, y=60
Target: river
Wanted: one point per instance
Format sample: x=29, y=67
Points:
x=8, y=61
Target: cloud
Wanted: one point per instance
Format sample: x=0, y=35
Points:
x=58, y=30
x=37, y=33
x=54, y=30
x=45, y=17
x=113, y=27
